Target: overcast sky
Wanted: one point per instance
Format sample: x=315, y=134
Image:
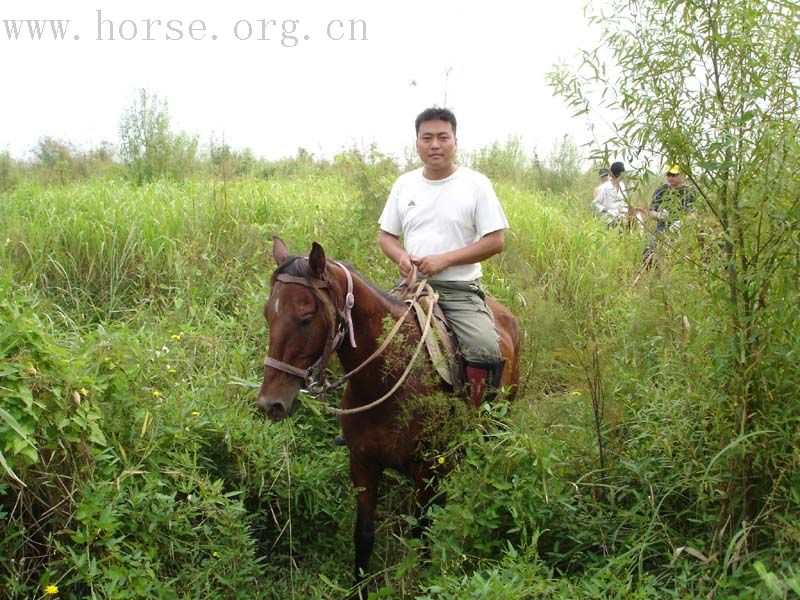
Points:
x=300, y=86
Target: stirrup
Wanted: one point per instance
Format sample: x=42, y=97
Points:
x=339, y=441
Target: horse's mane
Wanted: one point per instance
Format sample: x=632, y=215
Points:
x=378, y=291
x=297, y=266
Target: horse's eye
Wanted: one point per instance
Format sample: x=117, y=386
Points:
x=305, y=321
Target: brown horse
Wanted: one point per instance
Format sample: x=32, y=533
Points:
x=317, y=307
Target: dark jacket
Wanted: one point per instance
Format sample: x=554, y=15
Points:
x=675, y=200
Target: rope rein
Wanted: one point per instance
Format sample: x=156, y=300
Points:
x=422, y=286
x=343, y=379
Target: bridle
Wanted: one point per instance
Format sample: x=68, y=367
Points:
x=315, y=377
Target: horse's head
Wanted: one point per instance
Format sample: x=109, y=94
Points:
x=303, y=328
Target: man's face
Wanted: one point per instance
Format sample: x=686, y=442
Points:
x=675, y=180
x=436, y=146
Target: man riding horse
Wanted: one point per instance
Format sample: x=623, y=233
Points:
x=450, y=221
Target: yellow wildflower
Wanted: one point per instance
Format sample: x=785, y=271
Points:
x=440, y=460
x=195, y=413
x=84, y=392
x=31, y=370
x=156, y=394
x=8, y=241
x=172, y=371
x=215, y=554
x=51, y=590
x=575, y=393
x=176, y=336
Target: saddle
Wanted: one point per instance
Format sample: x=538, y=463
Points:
x=441, y=343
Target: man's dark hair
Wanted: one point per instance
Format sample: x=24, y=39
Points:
x=435, y=114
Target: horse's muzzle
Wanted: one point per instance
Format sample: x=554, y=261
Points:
x=276, y=410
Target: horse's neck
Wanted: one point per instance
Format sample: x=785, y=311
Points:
x=369, y=314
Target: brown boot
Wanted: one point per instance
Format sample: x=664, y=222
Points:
x=476, y=378
x=484, y=380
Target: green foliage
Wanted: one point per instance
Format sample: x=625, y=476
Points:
x=148, y=145
x=146, y=301
x=8, y=172
x=56, y=162
x=713, y=87
x=301, y=165
x=56, y=157
x=42, y=392
x=502, y=162
x=228, y=163
x=372, y=173
x=510, y=163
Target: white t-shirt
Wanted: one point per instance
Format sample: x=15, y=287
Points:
x=609, y=200
x=436, y=216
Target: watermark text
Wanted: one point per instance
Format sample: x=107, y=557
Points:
x=109, y=27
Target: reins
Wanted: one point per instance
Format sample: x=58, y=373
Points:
x=422, y=286
x=321, y=385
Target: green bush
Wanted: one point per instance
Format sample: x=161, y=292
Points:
x=9, y=174
x=149, y=147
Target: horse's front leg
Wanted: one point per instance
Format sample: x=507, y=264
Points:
x=365, y=477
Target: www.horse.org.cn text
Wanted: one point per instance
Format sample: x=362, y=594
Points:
x=107, y=27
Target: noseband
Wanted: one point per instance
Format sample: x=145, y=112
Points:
x=315, y=377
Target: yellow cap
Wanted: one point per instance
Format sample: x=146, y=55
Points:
x=674, y=170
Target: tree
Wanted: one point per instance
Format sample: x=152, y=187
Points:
x=147, y=144
x=714, y=87
x=56, y=160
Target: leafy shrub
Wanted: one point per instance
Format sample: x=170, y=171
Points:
x=9, y=174
x=149, y=147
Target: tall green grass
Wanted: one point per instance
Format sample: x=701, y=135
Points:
x=161, y=481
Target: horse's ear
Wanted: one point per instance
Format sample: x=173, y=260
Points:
x=279, y=250
x=316, y=261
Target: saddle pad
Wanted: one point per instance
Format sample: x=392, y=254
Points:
x=440, y=342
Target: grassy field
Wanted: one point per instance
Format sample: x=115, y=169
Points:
x=135, y=465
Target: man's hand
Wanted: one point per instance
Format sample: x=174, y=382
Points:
x=405, y=264
x=431, y=265
x=489, y=245
x=391, y=247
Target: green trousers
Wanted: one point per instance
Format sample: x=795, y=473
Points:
x=464, y=304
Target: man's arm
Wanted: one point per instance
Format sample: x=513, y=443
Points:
x=390, y=244
x=486, y=247
x=597, y=201
x=655, y=203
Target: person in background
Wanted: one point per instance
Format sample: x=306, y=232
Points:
x=609, y=198
x=605, y=175
x=672, y=199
